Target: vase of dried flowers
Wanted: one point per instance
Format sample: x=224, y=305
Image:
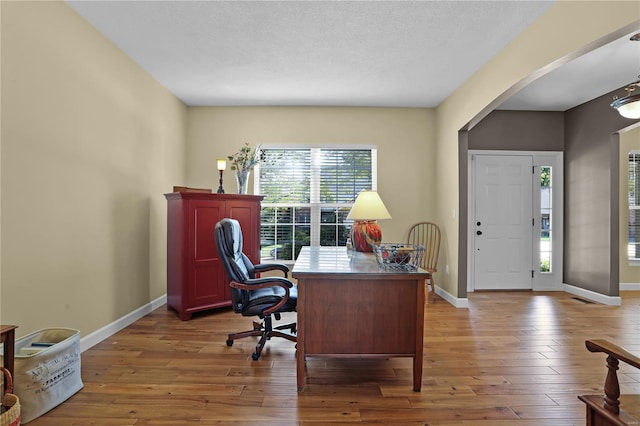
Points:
x=242, y=180
x=242, y=163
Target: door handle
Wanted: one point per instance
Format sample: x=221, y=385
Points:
x=478, y=232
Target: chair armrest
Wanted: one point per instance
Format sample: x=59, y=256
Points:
x=256, y=283
x=264, y=267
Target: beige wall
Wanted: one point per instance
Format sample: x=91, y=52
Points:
x=629, y=141
x=404, y=137
x=547, y=41
x=89, y=144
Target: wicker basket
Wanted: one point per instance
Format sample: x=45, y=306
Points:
x=399, y=256
x=10, y=407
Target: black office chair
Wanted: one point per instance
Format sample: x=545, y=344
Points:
x=251, y=296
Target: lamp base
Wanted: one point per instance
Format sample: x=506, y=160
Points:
x=365, y=233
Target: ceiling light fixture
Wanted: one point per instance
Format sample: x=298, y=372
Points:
x=629, y=106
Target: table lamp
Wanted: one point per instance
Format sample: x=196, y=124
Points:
x=365, y=211
x=222, y=165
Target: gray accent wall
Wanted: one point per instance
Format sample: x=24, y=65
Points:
x=592, y=199
x=463, y=178
x=519, y=130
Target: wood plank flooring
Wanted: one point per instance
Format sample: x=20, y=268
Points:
x=512, y=358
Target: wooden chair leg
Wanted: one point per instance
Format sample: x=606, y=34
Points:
x=433, y=287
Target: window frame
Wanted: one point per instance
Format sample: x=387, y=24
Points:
x=314, y=204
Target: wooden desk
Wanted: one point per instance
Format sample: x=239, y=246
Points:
x=349, y=307
x=8, y=340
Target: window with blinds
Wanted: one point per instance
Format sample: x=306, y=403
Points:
x=308, y=194
x=633, y=246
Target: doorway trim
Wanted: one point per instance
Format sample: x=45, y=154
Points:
x=541, y=282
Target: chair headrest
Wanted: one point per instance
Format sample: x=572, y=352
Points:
x=231, y=236
x=234, y=261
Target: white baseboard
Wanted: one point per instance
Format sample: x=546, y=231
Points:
x=547, y=288
x=457, y=302
x=111, y=329
x=629, y=286
x=592, y=295
x=585, y=294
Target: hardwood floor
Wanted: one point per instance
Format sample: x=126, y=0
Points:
x=512, y=358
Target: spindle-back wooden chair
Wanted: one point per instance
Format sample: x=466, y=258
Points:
x=427, y=234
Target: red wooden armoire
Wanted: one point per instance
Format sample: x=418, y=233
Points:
x=196, y=279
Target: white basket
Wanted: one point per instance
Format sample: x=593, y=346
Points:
x=399, y=256
x=47, y=370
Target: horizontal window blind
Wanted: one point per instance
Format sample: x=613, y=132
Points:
x=634, y=179
x=633, y=250
x=285, y=176
x=343, y=174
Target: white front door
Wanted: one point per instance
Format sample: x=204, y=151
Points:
x=502, y=222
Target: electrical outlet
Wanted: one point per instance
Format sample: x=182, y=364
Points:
x=446, y=269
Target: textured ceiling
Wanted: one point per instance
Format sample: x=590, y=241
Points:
x=317, y=53
x=589, y=76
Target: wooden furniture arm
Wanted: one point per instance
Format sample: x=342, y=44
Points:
x=615, y=354
x=8, y=338
x=264, y=283
x=613, y=350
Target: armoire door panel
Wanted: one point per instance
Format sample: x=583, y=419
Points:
x=205, y=218
x=204, y=289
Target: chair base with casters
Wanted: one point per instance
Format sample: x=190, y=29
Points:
x=265, y=331
x=267, y=298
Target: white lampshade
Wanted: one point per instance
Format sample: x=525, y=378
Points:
x=222, y=163
x=368, y=206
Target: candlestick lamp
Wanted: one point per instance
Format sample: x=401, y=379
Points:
x=222, y=165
